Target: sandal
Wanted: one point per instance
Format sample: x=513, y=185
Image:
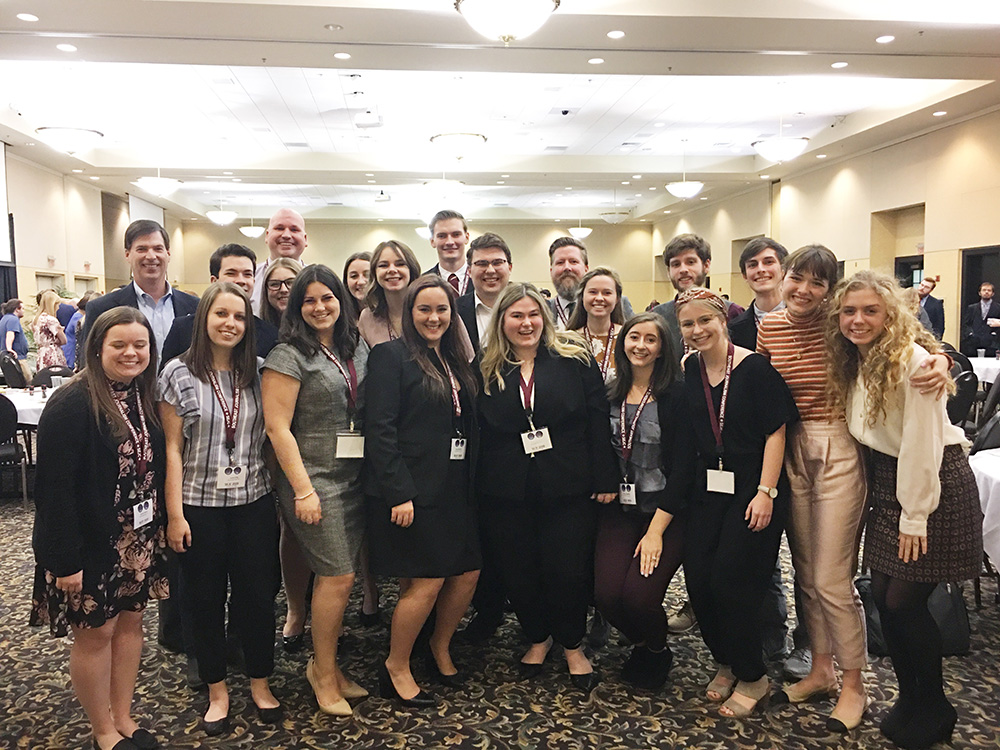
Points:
x=721, y=686
x=742, y=704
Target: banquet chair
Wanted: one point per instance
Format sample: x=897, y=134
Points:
x=987, y=571
x=11, y=451
x=988, y=437
x=12, y=372
x=960, y=359
x=44, y=377
x=959, y=404
x=990, y=404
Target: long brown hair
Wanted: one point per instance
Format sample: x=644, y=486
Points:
x=375, y=296
x=244, y=355
x=578, y=318
x=451, y=350
x=96, y=382
x=268, y=312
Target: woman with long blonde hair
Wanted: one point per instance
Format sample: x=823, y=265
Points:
x=49, y=335
x=925, y=525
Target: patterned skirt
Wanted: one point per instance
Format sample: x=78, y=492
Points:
x=954, y=530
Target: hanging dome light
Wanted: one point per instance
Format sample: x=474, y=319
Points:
x=506, y=20
x=780, y=149
x=221, y=217
x=581, y=233
x=685, y=188
x=70, y=140
x=252, y=231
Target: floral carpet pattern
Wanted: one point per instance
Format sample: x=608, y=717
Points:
x=495, y=712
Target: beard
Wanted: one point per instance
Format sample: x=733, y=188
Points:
x=699, y=281
x=566, y=285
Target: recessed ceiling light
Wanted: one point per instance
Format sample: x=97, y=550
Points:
x=652, y=188
x=637, y=177
x=342, y=55
x=666, y=212
x=659, y=124
x=30, y=17
x=505, y=175
x=369, y=174
x=333, y=27
x=569, y=188
x=626, y=182
x=94, y=178
x=558, y=220
x=638, y=195
x=703, y=199
x=237, y=179
x=500, y=182
x=885, y=39
x=30, y=143
x=940, y=113
x=227, y=173
x=596, y=60
x=820, y=156
x=616, y=34
x=77, y=171
x=66, y=48
x=371, y=181
x=381, y=219
x=765, y=177
x=839, y=65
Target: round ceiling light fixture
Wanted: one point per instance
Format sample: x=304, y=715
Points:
x=69, y=140
x=506, y=20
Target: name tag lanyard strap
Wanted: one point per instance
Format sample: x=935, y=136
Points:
x=629, y=431
x=351, y=378
x=456, y=402
x=605, y=362
x=140, y=438
x=717, y=421
x=230, y=417
x=528, y=396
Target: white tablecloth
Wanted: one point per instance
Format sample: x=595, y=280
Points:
x=986, y=467
x=29, y=407
x=987, y=369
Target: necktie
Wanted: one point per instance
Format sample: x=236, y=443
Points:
x=453, y=280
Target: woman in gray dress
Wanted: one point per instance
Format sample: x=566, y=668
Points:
x=311, y=388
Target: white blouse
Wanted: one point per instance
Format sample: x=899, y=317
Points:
x=915, y=429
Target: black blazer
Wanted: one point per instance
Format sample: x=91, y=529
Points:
x=570, y=400
x=935, y=311
x=184, y=304
x=178, y=340
x=743, y=329
x=975, y=333
x=466, y=306
x=408, y=432
x=75, y=520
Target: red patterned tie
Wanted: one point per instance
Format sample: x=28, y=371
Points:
x=453, y=280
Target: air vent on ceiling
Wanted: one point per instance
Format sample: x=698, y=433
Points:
x=296, y=145
x=334, y=203
x=556, y=148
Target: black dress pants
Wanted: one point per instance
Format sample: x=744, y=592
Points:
x=544, y=547
x=727, y=568
x=237, y=546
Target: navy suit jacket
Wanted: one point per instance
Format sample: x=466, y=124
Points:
x=975, y=333
x=184, y=304
x=935, y=311
x=179, y=339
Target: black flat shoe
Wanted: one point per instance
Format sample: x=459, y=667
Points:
x=144, y=740
x=215, y=728
x=388, y=690
x=529, y=671
x=272, y=715
x=371, y=620
x=585, y=682
x=293, y=643
x=125, y=744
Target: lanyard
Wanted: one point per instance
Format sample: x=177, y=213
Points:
x=717, y=422
x=455, y=402
x=629, y=430
x=392, y=333
x=140, y=439
x=351, y=377
x=527, y=391
x=229, y=417
x=559, y=311
x=605, y=362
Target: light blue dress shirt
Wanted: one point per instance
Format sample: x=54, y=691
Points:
x=159, y=314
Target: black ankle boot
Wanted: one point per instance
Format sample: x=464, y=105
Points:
x=655, y=669
x=927, y=725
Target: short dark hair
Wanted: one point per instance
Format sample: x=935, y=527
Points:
x=298, y=333
x=981, y=285
x=198, y=358
x=444, y=216
x=568, y=242
x=758, y=245
x=486, y=241
x=684, y=242
x=932, y=280
x=230, y=250
x=10, y=306
x=141, y=228
x=817, y=260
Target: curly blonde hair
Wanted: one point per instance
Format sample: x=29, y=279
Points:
x=883, y=368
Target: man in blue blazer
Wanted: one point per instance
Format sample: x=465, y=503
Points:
x=932, y=305
x=147, y=250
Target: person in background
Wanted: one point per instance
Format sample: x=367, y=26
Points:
x=740, y=408
x=220, y=511
x=285, y=237
x=100, y=522
x=420, y=460
x=912, y=297
x=597, y=316
x=491, y=264
x=932, y=305
x=74, y=326
x=357, y=269
x=567, y=267
x=14, y=340
x=49, y=335
x=313, y=390
x=546, y=456
x=277, y=282
x=640, y=539
x=449, y=236
x=393, y=267
x=925, y=524
x=981, y=323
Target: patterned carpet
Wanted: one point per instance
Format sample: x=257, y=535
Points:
x=496, y=711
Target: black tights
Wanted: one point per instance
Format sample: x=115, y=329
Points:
x=913, y=638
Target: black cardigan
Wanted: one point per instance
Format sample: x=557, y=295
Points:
x=75, y=520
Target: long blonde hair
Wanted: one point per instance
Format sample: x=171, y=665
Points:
x=499, y=352
x=883, y=368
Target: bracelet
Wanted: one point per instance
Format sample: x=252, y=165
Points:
x=310, y=492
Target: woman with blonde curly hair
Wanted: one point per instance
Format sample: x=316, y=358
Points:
x=925, y=524
x=545, y=456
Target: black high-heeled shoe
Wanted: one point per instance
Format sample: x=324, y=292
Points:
x=144, y=740
x=387, y=689
x=454, y=681
x=125, y=744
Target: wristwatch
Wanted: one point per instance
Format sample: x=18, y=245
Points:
x=771, y=492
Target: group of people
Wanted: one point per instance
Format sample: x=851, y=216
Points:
x=460, y=433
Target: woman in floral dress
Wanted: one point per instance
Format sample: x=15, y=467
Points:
x=49, y=334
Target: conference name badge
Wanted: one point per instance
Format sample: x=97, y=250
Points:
x=721, y=481
x=536, y=441
x=231, y=477
x=350, y=445
x=626, y=493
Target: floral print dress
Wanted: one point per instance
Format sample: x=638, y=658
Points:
x=50, y=353
x=138, y=574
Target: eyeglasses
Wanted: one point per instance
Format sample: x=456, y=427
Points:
x=484, y=264
x=276, y=284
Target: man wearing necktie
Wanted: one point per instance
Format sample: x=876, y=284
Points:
x=449, y=236
x=981, y=322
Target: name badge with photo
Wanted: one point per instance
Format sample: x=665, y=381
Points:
x=536, y=441
x=458, y=447
x=142, y=514
x=231, y=477
x=721, y=481
x=350, y=445
x=626, y=494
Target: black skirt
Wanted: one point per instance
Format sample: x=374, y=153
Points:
x=954, y=529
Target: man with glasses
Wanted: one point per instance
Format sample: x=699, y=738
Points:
x=285, y=238
x=489, y=266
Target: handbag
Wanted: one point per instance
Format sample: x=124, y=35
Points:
x=947, y=606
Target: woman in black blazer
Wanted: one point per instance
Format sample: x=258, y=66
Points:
x=541, y=468
x=421, y=440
